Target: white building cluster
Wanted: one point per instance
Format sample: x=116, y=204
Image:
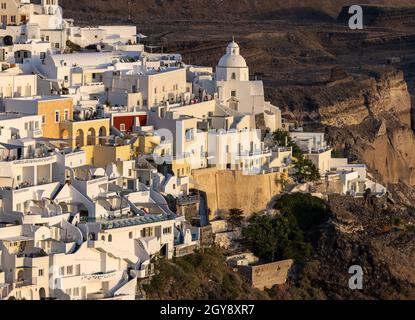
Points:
x=352, y=179
x=95, y=135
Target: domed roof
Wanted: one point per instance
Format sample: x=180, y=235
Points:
x=231, y=61
x=232, y=58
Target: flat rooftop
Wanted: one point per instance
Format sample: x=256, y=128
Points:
x=14, y=115
x=40, y=98
x=132, y=221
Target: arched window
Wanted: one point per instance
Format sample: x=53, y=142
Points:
x=102, y=238
x=110, y=238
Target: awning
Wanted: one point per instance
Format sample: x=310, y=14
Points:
x=10, y=146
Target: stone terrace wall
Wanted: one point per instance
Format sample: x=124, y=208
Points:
x=267, y=275
x=227, y=189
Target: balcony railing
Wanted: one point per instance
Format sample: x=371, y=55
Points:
x=188, y=199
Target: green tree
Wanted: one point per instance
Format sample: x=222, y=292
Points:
x=235, y=217
x=306, y=171
x=283, y=139
x=274, y=238
x=309, y=211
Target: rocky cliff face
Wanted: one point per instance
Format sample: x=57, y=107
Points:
x=374, y=125
x=368, y=115
x=382, y=97
x=379, y=238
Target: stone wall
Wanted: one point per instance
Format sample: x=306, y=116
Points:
x=226, y=189
x=267, y=275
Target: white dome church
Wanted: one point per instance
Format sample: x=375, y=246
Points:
x=237, y=92
x=232, y=66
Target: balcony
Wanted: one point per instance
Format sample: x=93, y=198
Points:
x=256, y=153
x=191, y=199
x=25, y=283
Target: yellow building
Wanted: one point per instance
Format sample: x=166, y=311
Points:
x=84, y=133
x=53, y=109
x=105, y=154
x=181, y=167
x=145, y=144
x=91, y=136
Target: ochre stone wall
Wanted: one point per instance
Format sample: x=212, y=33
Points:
x=227, y=189
x=267, y=275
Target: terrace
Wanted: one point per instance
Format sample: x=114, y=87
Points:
x=123, y=222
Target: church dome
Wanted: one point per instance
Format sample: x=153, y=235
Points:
x=232, y=58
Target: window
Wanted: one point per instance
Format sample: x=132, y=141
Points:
x=174, y=186
x=69, y=269
x=76, y=292
x=4, y=6
x=130, y=172
x=40, y=272
x=66, y=78
x=233, y=93
x=66, y=114
x=36, y=125
x=122, y=127
x=62, y=271
x=233, y=76
x=47, y=38
x=57, y=116
x=167, y=230
x=57, y=46
x=28, y=90
x=19, y=207
x=13, y=19
x=189, y=134
x=43, y=119
x=110, y=238
x=147, y=232
x=42, y=55
x=155, y=90
x=130, y=235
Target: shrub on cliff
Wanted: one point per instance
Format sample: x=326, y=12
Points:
x=309, y=211
x=283, y=139
x=235, y=217
x=306, y=171
x=274, y=238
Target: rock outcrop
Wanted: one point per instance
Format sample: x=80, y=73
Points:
x=373, y=235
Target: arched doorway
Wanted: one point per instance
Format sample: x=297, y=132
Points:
x=20, y=275
x=102, y=134
x=91, y=138
x=64, y=134
x=8, y=40
x=80, y=138
x=233, y=103
x=42, y=294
